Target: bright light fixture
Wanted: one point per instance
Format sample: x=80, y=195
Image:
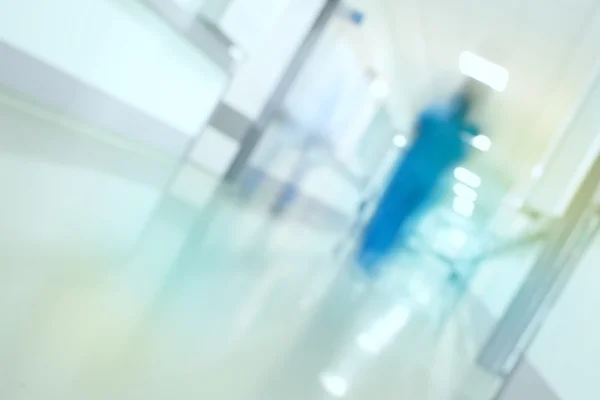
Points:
x=335, y=385
x=384, y=330
x=367, y=343
x=465, y=192
x=380, y=88
x=463, y=207
x=467, y=177
x=400, y=141
x=484, y=71
x=481, y=142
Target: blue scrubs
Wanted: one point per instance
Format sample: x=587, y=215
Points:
x=438, y=147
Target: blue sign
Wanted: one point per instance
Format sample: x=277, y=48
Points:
x=357, y=17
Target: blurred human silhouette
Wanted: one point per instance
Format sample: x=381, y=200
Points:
x=314, y=115
x=441, y=142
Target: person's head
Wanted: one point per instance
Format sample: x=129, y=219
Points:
x=469, y=94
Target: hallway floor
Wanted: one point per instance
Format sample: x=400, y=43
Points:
x=110, y=291
x=239, y=307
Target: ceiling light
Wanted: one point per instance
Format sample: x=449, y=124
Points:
x=400, y=141
x=465, y=192
x=463, y=207
x=335, y=385
x=481, y=142
x=467, y=177
x=484, y=71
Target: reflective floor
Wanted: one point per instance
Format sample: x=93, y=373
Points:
x=112, y=290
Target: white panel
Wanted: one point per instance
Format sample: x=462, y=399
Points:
x=215, y=151
x=122, y=48
x=257, y=78
x=194, y=186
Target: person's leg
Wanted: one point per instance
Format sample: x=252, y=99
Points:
x=391, y=224
x=414, y=207
x=379, y=235
x=373, y=249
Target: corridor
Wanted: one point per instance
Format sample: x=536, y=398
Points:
x=184, y=183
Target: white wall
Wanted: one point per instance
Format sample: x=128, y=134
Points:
x=121, y=48
x=258, y=76
x=249, y=22
x=499, y=278
x=571, y=156
x=566, y=351
x=62, y=208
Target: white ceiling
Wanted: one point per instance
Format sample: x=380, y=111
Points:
x=550, y=47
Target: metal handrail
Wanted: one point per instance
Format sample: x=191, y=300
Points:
x=527, y=239
x=524, y=240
